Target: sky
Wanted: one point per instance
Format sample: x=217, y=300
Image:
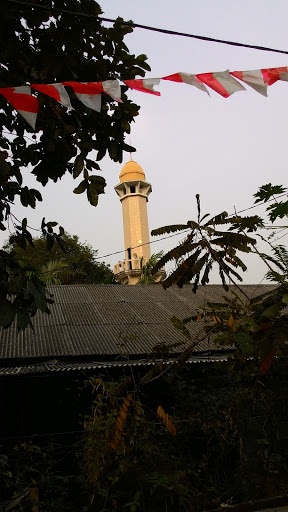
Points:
x=188, y=143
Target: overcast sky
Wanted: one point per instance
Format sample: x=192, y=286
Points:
x=188, y=143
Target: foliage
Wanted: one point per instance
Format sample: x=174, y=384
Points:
x=198, y=435
x=146, y=270
x=72, y=263
x=255, y=328
x=278, y=209
x=50, y=46
x=230, y=444
x=32, y=467
x=21, y=293
x=206, y=245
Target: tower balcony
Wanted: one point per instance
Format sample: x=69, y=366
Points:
x=129, y=271
x=128, y=265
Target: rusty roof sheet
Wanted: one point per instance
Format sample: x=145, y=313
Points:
x=107, y=320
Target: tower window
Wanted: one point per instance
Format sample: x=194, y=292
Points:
x=129, y=258
x=132, y=189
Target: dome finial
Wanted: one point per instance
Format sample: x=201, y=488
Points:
x=131, y=172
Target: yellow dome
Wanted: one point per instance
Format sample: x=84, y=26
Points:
x=131, y=171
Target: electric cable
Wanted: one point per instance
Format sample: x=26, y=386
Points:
x=147, y=27
x=147, y=243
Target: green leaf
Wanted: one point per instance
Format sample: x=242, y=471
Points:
x=24, y=196
x=273, y=311
x=61, y=244
x=142, y=57
x=182, y=269
x=101, y=153
x=81, y=187
x=128, y=148
x=38, y=294
x=113, y=149
x=91, y=165
x=7, y=313
x=92, y=194
x=99, y=183
x=174, y=254
x=278, y=210
x=23, y=320
x=168, y=229
x=49, y=242
x=145, y=66
x=78, y=166
x=267, y=191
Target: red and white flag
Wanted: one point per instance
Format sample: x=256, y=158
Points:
x=56, y=91
x=112, y=87
x=272, y=75
x=20, y=98
x=252, y=78
x=145, y=85
x=221, y=82
x=88, y=93
x=186, y=79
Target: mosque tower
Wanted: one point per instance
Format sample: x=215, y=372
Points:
x=133, y=191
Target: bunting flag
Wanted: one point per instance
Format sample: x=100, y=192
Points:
x=254, y=79
x=224, y=83
x=20, y=98
x=221, y=82
x=259, y=79
x=112, y=87
x=271, y=75
x=88, y=93
x=145, y=85
x=56, y=91
x=187, y=79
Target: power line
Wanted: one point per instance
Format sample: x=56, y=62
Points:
x=153, y=241
x=147, y=243
x=258, y=204
x=112, y=253
x=147, y=27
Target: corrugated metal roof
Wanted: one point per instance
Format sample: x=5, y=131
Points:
x=105, y=320
x=54, y=367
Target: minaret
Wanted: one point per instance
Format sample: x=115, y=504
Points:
x=133, y=191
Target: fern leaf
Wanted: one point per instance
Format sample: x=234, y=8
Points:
x=181, y=269
x=223, y=279
x=218, y=219
x=174, y=254
x=168, y=229
x=205, y=277
x=228, y=270
x=193, y=225
x=195, y=284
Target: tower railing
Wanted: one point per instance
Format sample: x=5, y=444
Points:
x=128, y=265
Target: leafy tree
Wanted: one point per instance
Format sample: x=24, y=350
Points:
x=76, y=264
x=207, y=244
x=256, y=327
x=51, y=46
x=146, y=270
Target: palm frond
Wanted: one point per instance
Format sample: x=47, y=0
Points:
x=168, y=229
x=174, y=254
